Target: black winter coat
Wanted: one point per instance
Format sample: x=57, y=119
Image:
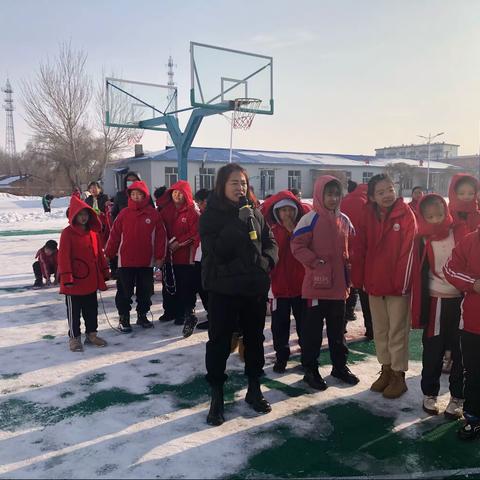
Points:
x=232, y=264
x=101, y=200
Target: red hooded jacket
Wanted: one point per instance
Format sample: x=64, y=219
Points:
x=48, y=263
x=81, y=263
x=382, y=251
x=138, y=233
x=287, y=276
x=181, y=223
x=353, y=203
x=466, y=216
x=320, y=243
x=462, y=271
x=424, y=260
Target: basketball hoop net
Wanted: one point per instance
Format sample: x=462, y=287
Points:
x=243, y=118
x=136, y=137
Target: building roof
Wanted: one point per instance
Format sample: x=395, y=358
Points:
x=8, y=180
x=265, y=157
x=418, y=145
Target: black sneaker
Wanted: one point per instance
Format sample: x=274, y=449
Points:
x=469, y=431
x=124, y=325
x=280, y=366
x=345, y=375
x=315, y=380
x=202, y=325
x=179, y=321
x=143, y=321
x=165, y=318
x=189, y=325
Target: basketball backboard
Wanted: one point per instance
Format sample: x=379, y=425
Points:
x=129, y=102
x=221, y=75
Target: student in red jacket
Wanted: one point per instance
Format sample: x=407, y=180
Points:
x=181, y=221
x=320, y=243
x=282, y=212
x=417, y=194
x=382, y=257
x=463, y=272
x=352, y=206
x=138, y=237
x=82, y=270
x=46, y=264
x=463, y=205
x=436, y=304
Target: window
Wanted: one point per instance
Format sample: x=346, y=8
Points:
x=294, y=179
x=207, y=178
x=366, y=176
x=267, y=181
x=171, y=176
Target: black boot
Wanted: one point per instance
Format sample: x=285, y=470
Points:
x=143, y=321
x=124, y=325
x=255, y=397
x=314, y=379
x=215, y=414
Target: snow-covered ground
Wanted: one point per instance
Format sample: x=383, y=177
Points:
x=137, y=408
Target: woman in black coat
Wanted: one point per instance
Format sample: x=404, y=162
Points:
x=97, y=198
x=238, y=253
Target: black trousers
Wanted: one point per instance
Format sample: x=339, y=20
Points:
x=182, y=301
x=442, y=333
x=281, y=309
x=203, y=294
x=129, y=279
x=333, y=312
x=87, y=307
x=470, y=347
x=37, y=271
x=224, y=311
x=367, y=315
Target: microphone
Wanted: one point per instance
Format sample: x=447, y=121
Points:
x=243, y=203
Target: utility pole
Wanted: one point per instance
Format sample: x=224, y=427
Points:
x=429, y=139
x=172, y=95
x=10, y=148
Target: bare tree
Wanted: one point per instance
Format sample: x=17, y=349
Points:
x=56, y=104
x=401, y=173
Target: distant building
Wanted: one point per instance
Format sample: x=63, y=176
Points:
x=269, y=171
x=438, y=151
x=467, y=162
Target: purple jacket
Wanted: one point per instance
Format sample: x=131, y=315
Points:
x=320, y=243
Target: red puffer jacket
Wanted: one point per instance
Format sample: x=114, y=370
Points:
x=181, y=223
x=353, y=203
x=287, y=276
x=81, y=263
x=382, y=250
x=462, y=271
x=138, y=233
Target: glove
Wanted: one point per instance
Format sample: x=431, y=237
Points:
x=245, y=213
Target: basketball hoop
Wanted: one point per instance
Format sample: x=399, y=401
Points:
x=136, y=137
x=244, y=112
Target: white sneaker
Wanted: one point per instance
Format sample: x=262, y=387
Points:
x=454, y=409
x=430, y=404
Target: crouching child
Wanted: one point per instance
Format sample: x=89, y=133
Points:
x=46, y=264
x=82, y=270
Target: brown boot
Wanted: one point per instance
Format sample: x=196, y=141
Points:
x=381, y=383
x=397, y=386
x=93, y=339
x=75, y=344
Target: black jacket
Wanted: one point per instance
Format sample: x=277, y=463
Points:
x=101, y=200
x=232, y=264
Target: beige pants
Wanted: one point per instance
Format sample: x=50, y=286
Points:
x=391, y=319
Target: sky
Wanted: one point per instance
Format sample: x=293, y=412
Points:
x=349, y=75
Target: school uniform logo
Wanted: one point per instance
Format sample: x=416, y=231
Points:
x=148, y=221
x=184, y=219
x=396, y=227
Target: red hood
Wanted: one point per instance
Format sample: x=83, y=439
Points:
x=454, y=203
x=428, y=230
x=318, y=190
x=76, y=204
x=142, y=186
x=181, y=185
x=269, y=203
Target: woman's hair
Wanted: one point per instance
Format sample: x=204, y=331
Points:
x=418, y=187
x=333, y=185
x=372, y=183
x=159, y=192
x=466, y=181
x=222, y=178
x=95, y=183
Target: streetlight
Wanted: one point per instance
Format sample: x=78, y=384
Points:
x=429, y=140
